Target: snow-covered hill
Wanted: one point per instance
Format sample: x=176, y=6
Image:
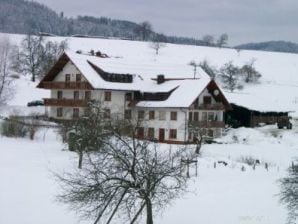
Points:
x=278, y=88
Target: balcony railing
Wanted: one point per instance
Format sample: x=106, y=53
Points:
x=66, y=102
x=67, y=85
x=208, y=124
x=214, y=106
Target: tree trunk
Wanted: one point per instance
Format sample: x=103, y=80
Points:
x=80, y=159
x=149, y=211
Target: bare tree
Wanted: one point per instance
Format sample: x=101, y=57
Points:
x=222, y=40
x=249, y=72
x=30, y=59
x=289, y=193
x=87, y=132
x=6, y=91
x=229, y=75
x=211, y=71
x=208, y=40
x=37, y=55
x=144, y=30
x=156, y=45
x=126, y=176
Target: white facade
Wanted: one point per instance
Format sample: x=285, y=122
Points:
x=168, y=123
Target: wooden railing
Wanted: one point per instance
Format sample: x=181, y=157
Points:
x=208, y=124
x=66, y=85
x=65, y=102
x=214, y=106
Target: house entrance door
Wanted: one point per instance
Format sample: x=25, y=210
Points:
x=161, y=134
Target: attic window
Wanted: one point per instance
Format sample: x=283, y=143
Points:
x=207, y=99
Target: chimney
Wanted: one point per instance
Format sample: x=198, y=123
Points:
x=160, y=79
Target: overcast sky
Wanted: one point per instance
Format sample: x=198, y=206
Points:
x=243, y=20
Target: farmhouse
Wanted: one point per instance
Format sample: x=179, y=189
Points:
x=172, y=110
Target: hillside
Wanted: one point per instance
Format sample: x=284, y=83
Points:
x=23, y=17
x=277, y=90
x=277, y=46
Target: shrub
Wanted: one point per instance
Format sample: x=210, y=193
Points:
x=13, y=127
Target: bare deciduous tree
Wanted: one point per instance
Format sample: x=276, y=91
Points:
x=37, y=55
x=144, y=29
x=222, y=40
x=289, y=193
x=208, y=40
x=211, y=71
x=249, y=72
x=156, y=44
x=230, y=76
x=6, y=91
x=125, y=176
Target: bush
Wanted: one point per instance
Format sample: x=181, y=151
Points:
x=13, y=127
x=249, y=160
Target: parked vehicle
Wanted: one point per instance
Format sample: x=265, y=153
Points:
x=35, y=103
x=284, y=122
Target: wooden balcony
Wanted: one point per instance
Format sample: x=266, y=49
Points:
x=214, y=106
x=208, y=124
x=65, y=102
x=66, y=85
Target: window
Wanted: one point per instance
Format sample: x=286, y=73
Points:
x=76, y=95
x=151, y=115
x=127, y=114
x=107, y=113
x=151, y=133
x=211, y=116
x=78, y=77
x=196, y=116
x=162, y=115
x=204, y=116
x=76, y=112
x=67, y=78
x=60, y=112
x=87, y=95
x=173, y=115
x=128, y=96
x=59, y=94
x=141, y=114
x=173, y=134
x=207, y=100
x=190, y=116
x=108, y=96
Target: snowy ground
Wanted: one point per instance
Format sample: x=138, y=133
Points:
x=224, y=195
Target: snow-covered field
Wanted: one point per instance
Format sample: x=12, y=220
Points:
x=278, y=85
x=224, y=194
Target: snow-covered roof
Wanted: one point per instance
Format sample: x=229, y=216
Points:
x=183, y=96
x=184, y=92
x=264, y=99
x=141, y=75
